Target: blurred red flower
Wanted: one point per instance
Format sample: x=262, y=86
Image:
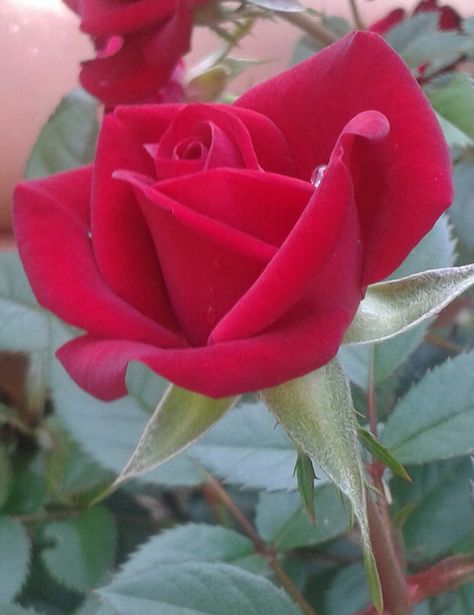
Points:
x=139, y=44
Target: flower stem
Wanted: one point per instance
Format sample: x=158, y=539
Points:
x=445, y=576
x=387, y=552
x=359, y=24
x=261, y=546
x=309, y=26
x=394, y=589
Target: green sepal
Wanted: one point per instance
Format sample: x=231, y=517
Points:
x=318, y=414
x=373, y=580
x=393, y=307
x=180, y=419
x=380, y=452
x=305, y=477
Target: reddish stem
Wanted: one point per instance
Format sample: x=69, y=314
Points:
x=392, y=580
x=445, y=576
x=388, y=554
x=448, y=575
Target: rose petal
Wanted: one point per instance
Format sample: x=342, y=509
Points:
x=152, y=196
x=143, y=64
x=107, y=17
x=404, y=181
x=310, y=244
x=221, y=370
x=264, y=206
x=52, y=230
x=205, y=263
x=255, y=134
x=123, y=246
x=228, y=141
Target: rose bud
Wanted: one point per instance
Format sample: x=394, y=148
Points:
x=139, y=45
x=228, y=247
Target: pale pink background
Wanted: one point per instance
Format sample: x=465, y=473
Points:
x=40, y=48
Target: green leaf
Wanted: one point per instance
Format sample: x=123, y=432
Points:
x=420, y=43
x=28, y=489
x=464, y=604
x=437, y=249
x=287, y=6
x=16, y=609
x=5, y=476
x=380, y=452
x=435, y=419
x=435, y=51
x=197, y=588
x=423, y=608
x=282, y=521
x=347, y=593
x=305, y=477
x=454, y=137
x=68, y=470
x=407, y=31
x=453, y=98
x=462, y=210
x=14, y=558
x=442, y=512
x=24, y=325
x=180, y=419
x=467, y=26
x=373, y=580
x=318, y=413
x=189, y=543
x=68, y=139
x=248, y=449
x=393, y=307
x=84, y=548
x=305, y=47
x=92, y=606
x=91, y=422
x=145, y=387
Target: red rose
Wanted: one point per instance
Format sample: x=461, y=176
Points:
x=138, y=44
x=197, y=243
x=449, y=19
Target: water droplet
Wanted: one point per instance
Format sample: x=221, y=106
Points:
x=317, y=175
x=89, y=234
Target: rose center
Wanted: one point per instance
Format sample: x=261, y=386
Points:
x=195, y=147
x=190, y=150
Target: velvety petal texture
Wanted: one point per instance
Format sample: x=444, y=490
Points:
x=139, y=45
x=394, y=178
x=228, y=247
